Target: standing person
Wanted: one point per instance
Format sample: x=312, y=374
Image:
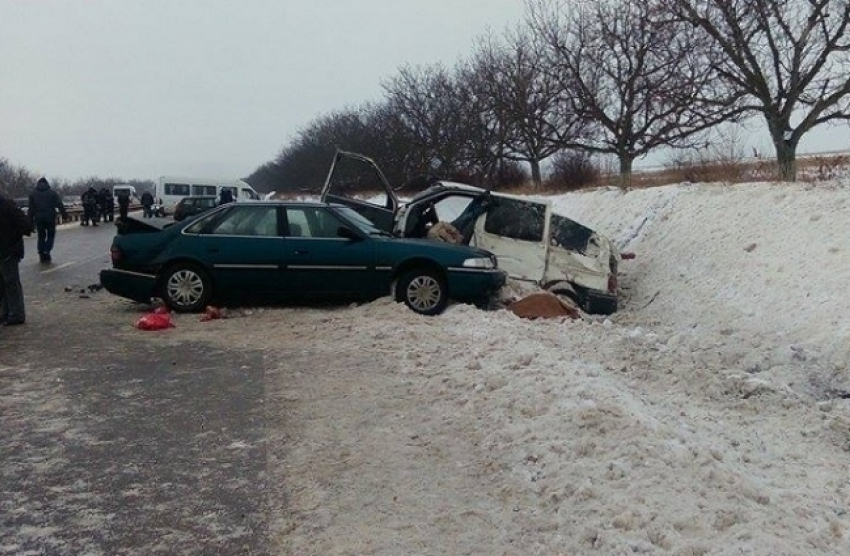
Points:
x=89, y=199
x=14, y=225
x=123, y=204
x=104, y=201
x=225, y=196
x=147, y=204
x=43, y=205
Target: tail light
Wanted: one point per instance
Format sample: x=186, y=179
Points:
x=116, y=254
x=612, y=284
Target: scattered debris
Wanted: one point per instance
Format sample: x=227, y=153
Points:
x=651, y=299
x=444, y=231
x=749, y=248
x=159, y=319
x=212, y=313
x=545, y=305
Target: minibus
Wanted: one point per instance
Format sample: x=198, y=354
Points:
x=170, y=189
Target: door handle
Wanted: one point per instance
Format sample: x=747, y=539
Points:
x=212, y=249
x=300, y=252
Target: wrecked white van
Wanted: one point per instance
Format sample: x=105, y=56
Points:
x=530, y=241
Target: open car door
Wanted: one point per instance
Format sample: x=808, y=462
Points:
x=353, y=175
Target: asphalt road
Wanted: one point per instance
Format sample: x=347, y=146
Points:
x=115, y=447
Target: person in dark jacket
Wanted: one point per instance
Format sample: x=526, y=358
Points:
x=147, y=204
x=105, y=205
x=44, y=203
x=89, y=199
x=14, y=225
x=225, y=196
x=123, y=204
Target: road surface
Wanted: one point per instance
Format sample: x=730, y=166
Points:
x=111, y=446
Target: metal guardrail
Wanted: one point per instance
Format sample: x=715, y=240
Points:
x=75, y=214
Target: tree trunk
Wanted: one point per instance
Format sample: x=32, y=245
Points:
x=785, y=142
x=536, y=179
x=626, y=160
x=786, y=159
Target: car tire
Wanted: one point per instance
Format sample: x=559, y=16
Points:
x=186, y=287
x=423, y=290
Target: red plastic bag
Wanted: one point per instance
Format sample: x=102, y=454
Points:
x=155, y=321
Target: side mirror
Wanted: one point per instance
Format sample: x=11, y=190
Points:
x=348, y=233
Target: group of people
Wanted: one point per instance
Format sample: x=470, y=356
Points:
x=97, y=206
x=44, y=208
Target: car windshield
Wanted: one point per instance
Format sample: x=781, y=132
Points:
x=361, y=222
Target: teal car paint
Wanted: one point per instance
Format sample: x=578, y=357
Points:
x=284, y=251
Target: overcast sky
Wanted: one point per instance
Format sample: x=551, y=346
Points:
x=142, y=88
x=138, y=89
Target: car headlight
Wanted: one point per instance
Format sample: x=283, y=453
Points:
x=479, y=262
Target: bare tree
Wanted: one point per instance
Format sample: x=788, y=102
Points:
x=15, y=181
x=789, y=57
x=641, y=77
x=436, y=111
x=522, y=103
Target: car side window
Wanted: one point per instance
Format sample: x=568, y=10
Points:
x=247, y=221
x=314, y=222
x=516, y=219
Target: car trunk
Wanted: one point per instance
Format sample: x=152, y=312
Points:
x=131, y=225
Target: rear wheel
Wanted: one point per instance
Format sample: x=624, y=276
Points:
x=423, y=290
x=186, y=287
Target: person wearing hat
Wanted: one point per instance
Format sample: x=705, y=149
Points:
x=44, y=203
x=14, y=225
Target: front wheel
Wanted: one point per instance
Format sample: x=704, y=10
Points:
x=424, y=291
x=186, y=287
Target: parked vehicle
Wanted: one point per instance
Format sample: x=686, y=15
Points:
x=120, y=188
x=192, y=206
x=277, y=250
x=531, y=242
x=170, y=189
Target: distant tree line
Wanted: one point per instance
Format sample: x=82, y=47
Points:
x=17, y=181
x=579, y=79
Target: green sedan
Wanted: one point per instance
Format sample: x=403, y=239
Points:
x=284, y=251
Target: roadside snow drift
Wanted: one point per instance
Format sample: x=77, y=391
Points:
x=708, y=416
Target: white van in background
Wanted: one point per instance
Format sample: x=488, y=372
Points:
x=130, y=190
x=170, y=189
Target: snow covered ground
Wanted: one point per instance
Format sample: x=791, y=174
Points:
x=709, y=416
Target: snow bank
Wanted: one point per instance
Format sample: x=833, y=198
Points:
x=708, y=416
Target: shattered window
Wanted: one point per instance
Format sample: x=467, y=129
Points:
x=569, y=234
x=516, y=219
